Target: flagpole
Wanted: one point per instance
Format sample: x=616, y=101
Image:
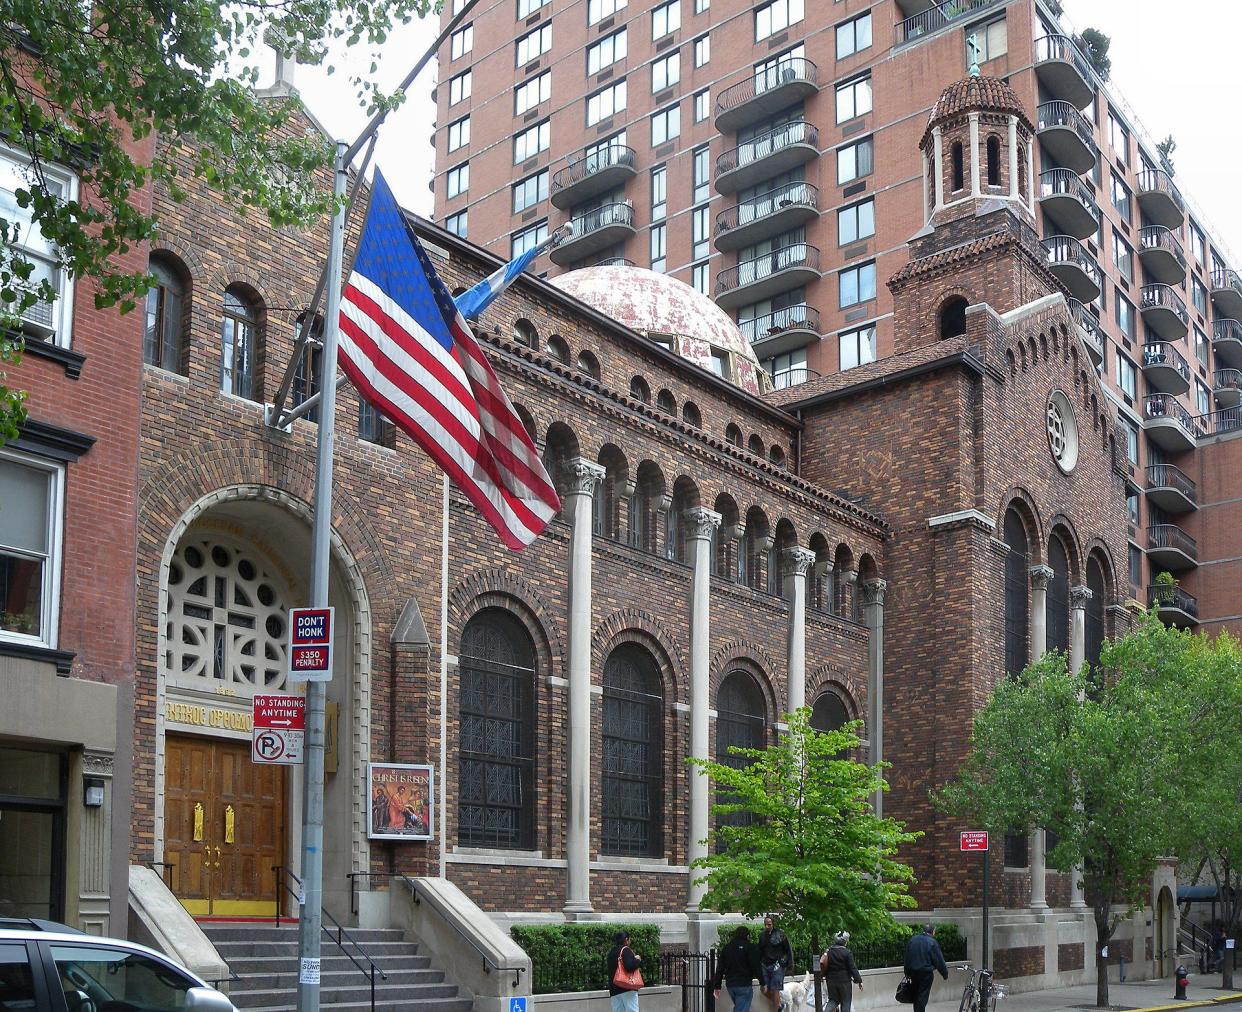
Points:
x=310, y=917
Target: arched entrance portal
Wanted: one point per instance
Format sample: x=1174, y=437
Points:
x=1166, y=934
x=233, y=567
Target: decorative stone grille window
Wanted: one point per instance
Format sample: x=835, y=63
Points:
x=1062, y=432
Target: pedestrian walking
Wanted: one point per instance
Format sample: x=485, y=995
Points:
x=775, y=960
x=737, y=969
x=840, y=973
x=923, y=960
x=624, y=999
x=1218, y=949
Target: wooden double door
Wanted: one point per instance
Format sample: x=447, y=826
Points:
x=224, y=827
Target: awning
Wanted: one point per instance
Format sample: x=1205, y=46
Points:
x=1196, y=894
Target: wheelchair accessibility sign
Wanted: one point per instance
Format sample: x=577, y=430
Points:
x=517, y=1005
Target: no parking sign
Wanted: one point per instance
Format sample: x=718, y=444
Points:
x=279, y=729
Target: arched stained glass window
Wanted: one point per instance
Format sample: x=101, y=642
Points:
x=633, y=771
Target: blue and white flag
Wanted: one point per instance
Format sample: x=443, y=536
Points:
x=471, y=303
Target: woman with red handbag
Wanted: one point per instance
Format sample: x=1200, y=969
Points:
x=624, y=976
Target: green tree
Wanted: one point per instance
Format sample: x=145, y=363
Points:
x=810, y=847
x=1166, y=148
x=1094, y=45
x=85, y=85
x=1091, y=757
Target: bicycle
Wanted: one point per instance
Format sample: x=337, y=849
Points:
x=976, y=984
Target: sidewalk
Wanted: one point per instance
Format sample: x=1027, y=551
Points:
x=1144, y=994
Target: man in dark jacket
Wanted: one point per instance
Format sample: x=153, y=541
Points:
x=775, y=960
x=738, y=967
x=923, y=960
x=622, y=1000
x=840, y=973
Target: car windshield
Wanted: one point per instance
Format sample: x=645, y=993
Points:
x=92, y=975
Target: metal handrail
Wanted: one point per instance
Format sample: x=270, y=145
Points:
x=1226, y=279
x=1084, y=318
x=597, y=218
x=1162, y=353
x=795, y=194
x=1171, y=476
x=1228, y=379
x=615, y=262
x=765, y=79
x=801, y=316
x=1163, y=297
x=488, y=964
x=1159, y=181
x=1062, y=47
x=1226, y=330
x=342, y=935
x=1065, y=249
x=935, y=18
x=759, y=267
x=579, y=167
x=1053, y=182
x=1172, y=536
x=1174, y=596
x=1168, y=406
x=797, y=131
x=1159, y=237
x=1060, y=113
x=794, y=377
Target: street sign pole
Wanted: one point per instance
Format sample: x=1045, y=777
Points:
x=987, y=854
x=310, y=917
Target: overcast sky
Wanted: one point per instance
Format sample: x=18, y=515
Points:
x=1177, y=64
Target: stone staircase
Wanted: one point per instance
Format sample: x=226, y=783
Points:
x=265, y=960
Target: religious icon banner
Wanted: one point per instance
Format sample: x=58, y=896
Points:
x=399, y=801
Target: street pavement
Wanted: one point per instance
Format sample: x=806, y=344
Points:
x=1145, y=995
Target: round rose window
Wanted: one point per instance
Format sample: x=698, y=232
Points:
x=1062, y=432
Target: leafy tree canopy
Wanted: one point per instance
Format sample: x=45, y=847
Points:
x=1094, y=45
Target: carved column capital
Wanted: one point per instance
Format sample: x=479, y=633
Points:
x=1040, y=575
x=97, y=764
x=850, y=576
x=873, y=592
x=798, y=560
x=1079, y=596
x=734, y=532
x=701, y=523
x=583, y=475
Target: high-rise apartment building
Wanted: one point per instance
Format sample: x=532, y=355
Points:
x=767, y=153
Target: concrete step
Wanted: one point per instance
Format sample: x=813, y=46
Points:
x=354, y=992
x=425, y=1005
x=329, y=962
x=258, y=947
x=287, y=977
x=257, y=931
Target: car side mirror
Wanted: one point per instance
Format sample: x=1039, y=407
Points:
x=207, y=999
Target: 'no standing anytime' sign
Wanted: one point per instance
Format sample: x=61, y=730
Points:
x=279, y=730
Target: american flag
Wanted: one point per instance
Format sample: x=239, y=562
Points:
x=411, y=355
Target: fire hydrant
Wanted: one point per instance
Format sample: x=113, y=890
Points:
x=1181, y=977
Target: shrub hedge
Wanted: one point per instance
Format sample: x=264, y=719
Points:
x=570, y=957
x=871, y=951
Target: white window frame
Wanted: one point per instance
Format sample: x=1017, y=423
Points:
x=854, y=109
x=461, y=42
x=61, y=330
x=606, y=102
x=848, y=31
x=665, y=18
x=541, y=131
x=1123, y=256
x=659, y=192
x=607, y=51
x=776, y=16
x=460, y=85
x=665, y=71
x=541, y=89
x=541, y=36
x=49, y=599
x=536, y=180
x=700, y=186
x=1126, y=375
x=659, y=248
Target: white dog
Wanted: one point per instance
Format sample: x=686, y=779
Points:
x=799, y=995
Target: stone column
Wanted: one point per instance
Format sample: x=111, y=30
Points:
x=1079, y=596
x=1013, y=157
x=1040, y=575
x=974, y=154
x=797, y=562
x=584, y=476
x=700, y=523
x=1030, y=177
x=873, y=592
x=938, y=161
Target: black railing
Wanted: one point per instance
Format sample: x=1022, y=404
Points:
x=795, y=194
x=615, y=262
x=1173, y=597
x=1065, y=250
x=1170, y=476
x=780, y=321
x=1164, y=297
x=793, y=377
x=1063, y=49
x=1065, y=114
x=1158, y=237
x=1227, y=330
x=769, y=142
x=1172, y=537
x=792, y=70
x=583, y=165
x=797, y=254
x=1159, y=181
x=1220, y=421
x=1226, y=280
x=602, y=217
x=1161, y=353
x=1168, y=406
x=1228, y=379
x=1085, y=319
x=937, y=17
x=1068, y=183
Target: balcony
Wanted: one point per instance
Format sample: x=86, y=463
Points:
x=1163, y=258
x=1227, y=387
x=1066, y=134
x=782, y=331
x=766, y=91
x=1068, y=204
x=595, y=230
x=1160, y=199
x=766, y=215
x=1227, y=342
x=1164, y=312
x=1088, y=330
x=1165, y=368
x=793, y=377
x=615, y=262
x=775, y=151
x=1227, y=293
x=923, y=17
x=587, y=176
x=1174, y=605
x=1171, y=489
x=1069, y=260
x=1169, y=547
x=788, y=267
x=1063, y=71
x=1169, y=424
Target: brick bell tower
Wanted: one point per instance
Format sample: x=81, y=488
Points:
x=978, y=242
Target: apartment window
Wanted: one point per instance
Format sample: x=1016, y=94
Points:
x=659, y=247
x=607, y=51
x=856, y=284
x=853, y=99
x=1119, y=138
x=857, y=347
x=1121, y=196
x=1199, y=293
x=308, y=378
x=459, y=133
x=239, y=333
x=992, y=40
x=527, y=239
x=701, y=5
x=665, y=71
x=702, y=174
x=525, y=8
x=459, y=87
x=787, y=370
x=605, y=103
x=855, y=160
x=1123, y=257
x=166, y=323
x=701, y=231
x=1136, y=565
x=856, y=222
x=854, y=36
x=702, y=105
x=531, y=141
x=534, y=44
x=700, y=278
x=32, y=491
x=1198, y=243
x=665, y=125
x=1127, y=376
x=1201, y=346
x=665, y=18
x=659, y=192
x=1131, y=432
x=530, y=93
x=597, y=10
x=1203, y=398
x=457, y=180
x=702, y=50
x=776, y=17
x=456, y=223
x=1125, y=314
x=1132, y=508
x=529, y=191
x=458, y=5
x=461, y=42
